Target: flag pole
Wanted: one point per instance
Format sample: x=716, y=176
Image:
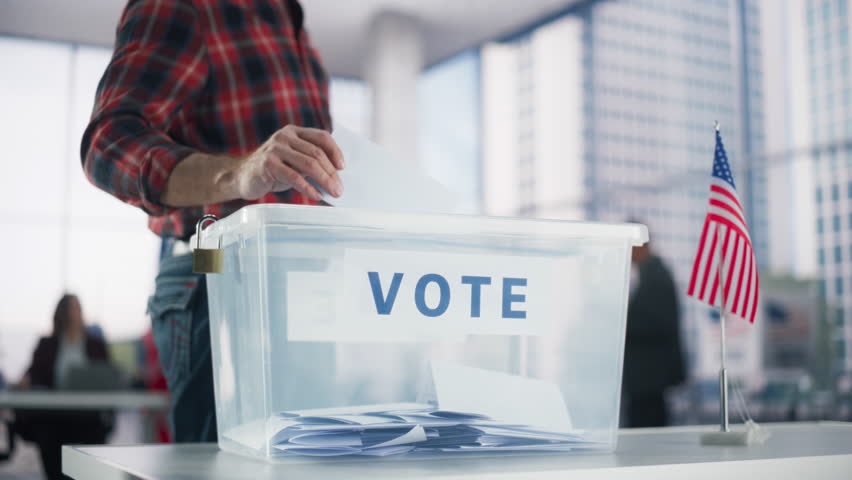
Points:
x=723, y=372
x=723, y=378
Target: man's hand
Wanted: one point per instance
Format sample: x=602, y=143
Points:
x=281, y=163
x=285, y=159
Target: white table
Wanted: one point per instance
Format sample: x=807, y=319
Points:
x=795, y=451
x=59, y=400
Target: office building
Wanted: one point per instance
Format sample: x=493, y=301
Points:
x=830, y=101
x=607, y=113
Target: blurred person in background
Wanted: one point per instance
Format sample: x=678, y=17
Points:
x=653, y=355
x=206, y=107
x=153, y=380
x=69, y=346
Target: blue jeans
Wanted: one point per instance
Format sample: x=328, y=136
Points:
x=181, y=331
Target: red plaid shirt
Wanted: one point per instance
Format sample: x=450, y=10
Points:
x=210, y=76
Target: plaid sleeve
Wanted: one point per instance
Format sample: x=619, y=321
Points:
x=159, y=65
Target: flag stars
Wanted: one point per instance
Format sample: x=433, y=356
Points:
x=721, y=168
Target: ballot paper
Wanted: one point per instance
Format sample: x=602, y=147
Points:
x=510, y=398
x=373, y=178
x=383, y=432
x=476, y=410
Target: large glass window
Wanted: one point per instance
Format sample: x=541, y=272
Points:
x=50, y=212
x=449, y=127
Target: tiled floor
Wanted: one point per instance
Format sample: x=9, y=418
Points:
x=25, y=465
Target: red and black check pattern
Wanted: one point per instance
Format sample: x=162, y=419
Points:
x=210, y=76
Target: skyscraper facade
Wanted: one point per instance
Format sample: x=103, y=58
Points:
x=830, y=92
x=607, y=114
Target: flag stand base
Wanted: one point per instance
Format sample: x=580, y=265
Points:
x=751, y=435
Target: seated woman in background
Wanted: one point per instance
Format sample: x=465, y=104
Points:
x=70, y=346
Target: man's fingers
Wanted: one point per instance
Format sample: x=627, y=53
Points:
x=307, y=167
x=323, y=139
x=275, y=166
x=313, y=151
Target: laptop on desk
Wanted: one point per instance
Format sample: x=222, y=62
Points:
x=95, y=377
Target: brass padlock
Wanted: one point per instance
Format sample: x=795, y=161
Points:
x=206, y=260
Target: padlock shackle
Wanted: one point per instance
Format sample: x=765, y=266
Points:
x=199, y=226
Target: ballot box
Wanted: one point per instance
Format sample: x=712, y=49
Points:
x=354, y=332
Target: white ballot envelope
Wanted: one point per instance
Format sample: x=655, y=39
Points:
x=504, y=397
x=373, y=179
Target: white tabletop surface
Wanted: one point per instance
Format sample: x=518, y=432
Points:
x=808, y=451
x=59, y=400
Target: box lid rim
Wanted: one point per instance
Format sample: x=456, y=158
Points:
x=316, y=216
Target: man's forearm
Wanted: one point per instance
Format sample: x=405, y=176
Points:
x=202, y=179
x=283, y=162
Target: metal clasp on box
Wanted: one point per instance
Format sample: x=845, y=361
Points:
x=206, y=260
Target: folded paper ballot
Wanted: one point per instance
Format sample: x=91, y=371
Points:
x=509, y=398
x=374, y=179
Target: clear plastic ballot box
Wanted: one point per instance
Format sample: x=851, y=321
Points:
x=353, y=332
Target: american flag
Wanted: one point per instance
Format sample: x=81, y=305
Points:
x=725, y=271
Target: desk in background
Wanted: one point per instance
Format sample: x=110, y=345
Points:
x=60, y=400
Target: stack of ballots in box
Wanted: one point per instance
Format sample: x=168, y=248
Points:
x=466, y=409
x=390, y=431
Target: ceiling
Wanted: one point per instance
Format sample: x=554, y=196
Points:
x=338, y=27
